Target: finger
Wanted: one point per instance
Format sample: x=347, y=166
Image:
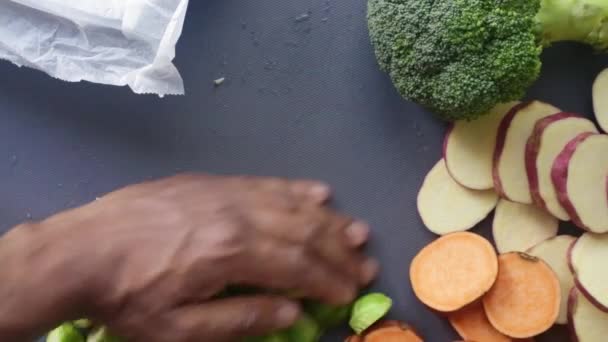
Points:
x=235, y=318
x=317, y=192
x=357, y=234
x=321, y=231
x=299, y=190
x=274, y=264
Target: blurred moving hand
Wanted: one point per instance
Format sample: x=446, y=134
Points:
x=150, y=259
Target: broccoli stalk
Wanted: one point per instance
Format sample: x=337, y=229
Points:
x=460, y=58
x=584, y=21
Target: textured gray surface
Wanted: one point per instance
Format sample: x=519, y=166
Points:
x=303, y=97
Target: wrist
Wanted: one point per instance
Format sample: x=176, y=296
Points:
x=42, y=281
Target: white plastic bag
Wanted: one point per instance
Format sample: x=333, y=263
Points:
x=116, y=42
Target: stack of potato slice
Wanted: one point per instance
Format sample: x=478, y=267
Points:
x=536, y=166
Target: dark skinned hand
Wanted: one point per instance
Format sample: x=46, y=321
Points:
x=150, y=259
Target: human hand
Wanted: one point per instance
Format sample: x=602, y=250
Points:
x=155, y=255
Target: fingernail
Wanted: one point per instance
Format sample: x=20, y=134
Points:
x=287, y=314
x=357, y=233
x=369, y=271
x=320, y=191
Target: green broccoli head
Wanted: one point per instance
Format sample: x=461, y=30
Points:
x=459, y=58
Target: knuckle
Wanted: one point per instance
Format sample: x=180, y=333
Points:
x=231, y=234
x=297, y=256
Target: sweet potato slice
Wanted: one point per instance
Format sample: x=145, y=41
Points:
x=588, y=256
x=446, y=206
x=600, y=99
x=517, y=227
x=469, y=146
x=525, y=298
x=388, y=331
x=587, y=323
x=509, y=162
x=548, y=139
x=472, y=324
x=554, y=252
x=580, y=174
x=453, y=271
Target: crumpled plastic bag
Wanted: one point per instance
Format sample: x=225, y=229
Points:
x=115, y=42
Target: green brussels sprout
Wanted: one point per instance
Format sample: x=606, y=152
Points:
x=83, y=323
x=66, y=332
x=102, y=335
x=305, y=329
x=368, y=309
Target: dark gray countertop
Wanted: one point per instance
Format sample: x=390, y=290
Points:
x=302, y=98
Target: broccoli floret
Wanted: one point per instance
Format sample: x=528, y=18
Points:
x=459, y=58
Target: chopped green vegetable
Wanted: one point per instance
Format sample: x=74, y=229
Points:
x=327, y=316
x=83, y=323
x=304, y=330
x=460, y=58
x=102, y=335
x=66, y=332
x=369, y=309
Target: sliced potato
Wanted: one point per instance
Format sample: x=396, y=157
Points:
x=580, y=176
x=517, y=227
x=509, y=161
x=587, y=258
x=469, y=147
x=555, y=253
x=453, y=271
x=472, y=324
x=587, y=322
x=446, y=206
x=600, y=99
x=549, y=138
x=525, y=298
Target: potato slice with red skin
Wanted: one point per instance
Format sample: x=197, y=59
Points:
x=548, y=139
x=517, y=227
x=554, y=252
x=468, y=148
x=509, y=159
x=600, y=99
x=453, y=271
x=446, y=206
x=525, y=298
x=587, y=323
x=586, y=260
x=580, y=174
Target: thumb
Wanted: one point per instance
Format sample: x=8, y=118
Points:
x=238, y=317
